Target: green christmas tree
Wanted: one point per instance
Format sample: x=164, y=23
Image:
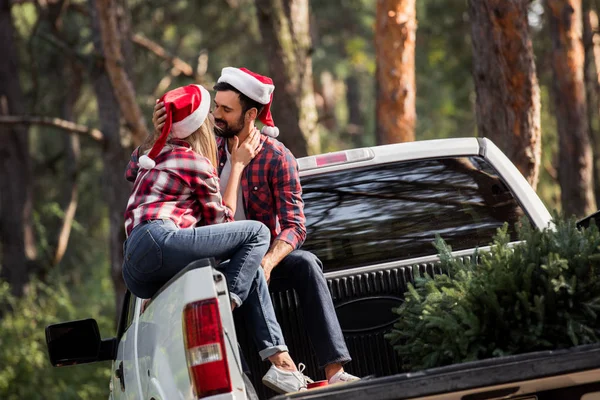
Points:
x=541, y=293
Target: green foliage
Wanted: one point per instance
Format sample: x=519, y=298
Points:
x=542, y=293
x=26, y=372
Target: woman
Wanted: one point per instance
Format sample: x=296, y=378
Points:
x=176, y=215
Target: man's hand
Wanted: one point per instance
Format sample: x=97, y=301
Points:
x=159, y=116
x=278, y=251
x=267, y=270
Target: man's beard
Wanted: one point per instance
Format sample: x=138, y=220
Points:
x=228, y=131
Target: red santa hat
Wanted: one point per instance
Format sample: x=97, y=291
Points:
x=257, y=87
x=187, y=108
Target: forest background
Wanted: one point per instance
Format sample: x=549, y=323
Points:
x=78, y=80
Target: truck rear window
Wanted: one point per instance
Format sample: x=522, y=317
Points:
x=391, y=212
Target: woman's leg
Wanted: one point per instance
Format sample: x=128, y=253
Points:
x=260, y=315
x=283, y=376
x=244, y=243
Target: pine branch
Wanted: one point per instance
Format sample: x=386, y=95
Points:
x=54, y=122
x=163, y=53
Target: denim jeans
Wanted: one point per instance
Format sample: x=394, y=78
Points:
x=157, y=250
x=264, y=327
x=303, y=272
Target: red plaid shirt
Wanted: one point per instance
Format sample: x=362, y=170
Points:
x=182, y=187
x=271, y=190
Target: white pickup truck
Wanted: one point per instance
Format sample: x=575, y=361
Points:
x=372, y=215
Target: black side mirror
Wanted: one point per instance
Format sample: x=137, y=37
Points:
x=78, y=342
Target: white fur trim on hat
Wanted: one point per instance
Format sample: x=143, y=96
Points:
x=192, y=122
x=247, y=84
x=146, y=162
x=271, y=131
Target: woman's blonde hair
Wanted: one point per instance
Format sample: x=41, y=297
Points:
x=203, y=141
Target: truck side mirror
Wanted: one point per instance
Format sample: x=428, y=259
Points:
x=78, y=342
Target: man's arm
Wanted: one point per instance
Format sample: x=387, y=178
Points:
x=278, y=251
x=289, y=207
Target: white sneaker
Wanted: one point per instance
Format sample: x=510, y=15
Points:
x=343, y=377
x=283, y=381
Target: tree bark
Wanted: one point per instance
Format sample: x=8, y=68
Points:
x=591, y=65
x=506, y=84
x=113, y=156
x=17, y=244
x=115, y=64
x=575, y=155
x=284, y=26
x=395, y=35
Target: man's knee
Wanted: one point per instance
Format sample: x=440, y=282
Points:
x=306, y=262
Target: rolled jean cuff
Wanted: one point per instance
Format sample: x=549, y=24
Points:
x=271, y=351
x=235, y=299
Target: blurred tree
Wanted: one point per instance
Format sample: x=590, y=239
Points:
x=508, y=95
x=72, y=72
x=111, y=31
x=591, y=40
x=575, y=153
x=395, y=36
x=284, y=26
x=17, y=243
x=444, y=63
x=345, y=50
x=116, y=188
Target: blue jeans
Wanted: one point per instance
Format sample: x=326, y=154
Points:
x=303, y=272
x=157, y=250
x=264, y=327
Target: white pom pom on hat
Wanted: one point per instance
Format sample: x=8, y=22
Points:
x=257, y=87
x=271, y=131
x=187, y=108
x=146, y=162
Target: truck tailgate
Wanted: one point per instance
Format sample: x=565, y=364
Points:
x=565, y=374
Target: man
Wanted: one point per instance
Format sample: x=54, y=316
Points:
x=271, y=193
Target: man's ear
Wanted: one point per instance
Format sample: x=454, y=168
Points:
x=251, y=114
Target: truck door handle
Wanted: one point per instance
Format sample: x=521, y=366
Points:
x=120, y=375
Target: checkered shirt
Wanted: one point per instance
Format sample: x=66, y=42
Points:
x=182, y=187
x=271, y=190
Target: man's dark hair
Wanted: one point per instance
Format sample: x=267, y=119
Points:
x=246, y=102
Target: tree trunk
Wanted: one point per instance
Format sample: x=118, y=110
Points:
x=328, y=91
x=17, y=242
x=113, y=156
x=356, y=120
x=575, y=153
x=395, y=35
x=592, y=58
x=115, y=64
x=74, y=77
x=284, y=26
x=506, y=84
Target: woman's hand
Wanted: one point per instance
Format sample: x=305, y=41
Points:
x=159, y=116
x=243, y=153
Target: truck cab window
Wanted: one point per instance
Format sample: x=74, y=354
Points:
x=384, y=213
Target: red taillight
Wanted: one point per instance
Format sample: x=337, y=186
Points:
x=205, y=348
